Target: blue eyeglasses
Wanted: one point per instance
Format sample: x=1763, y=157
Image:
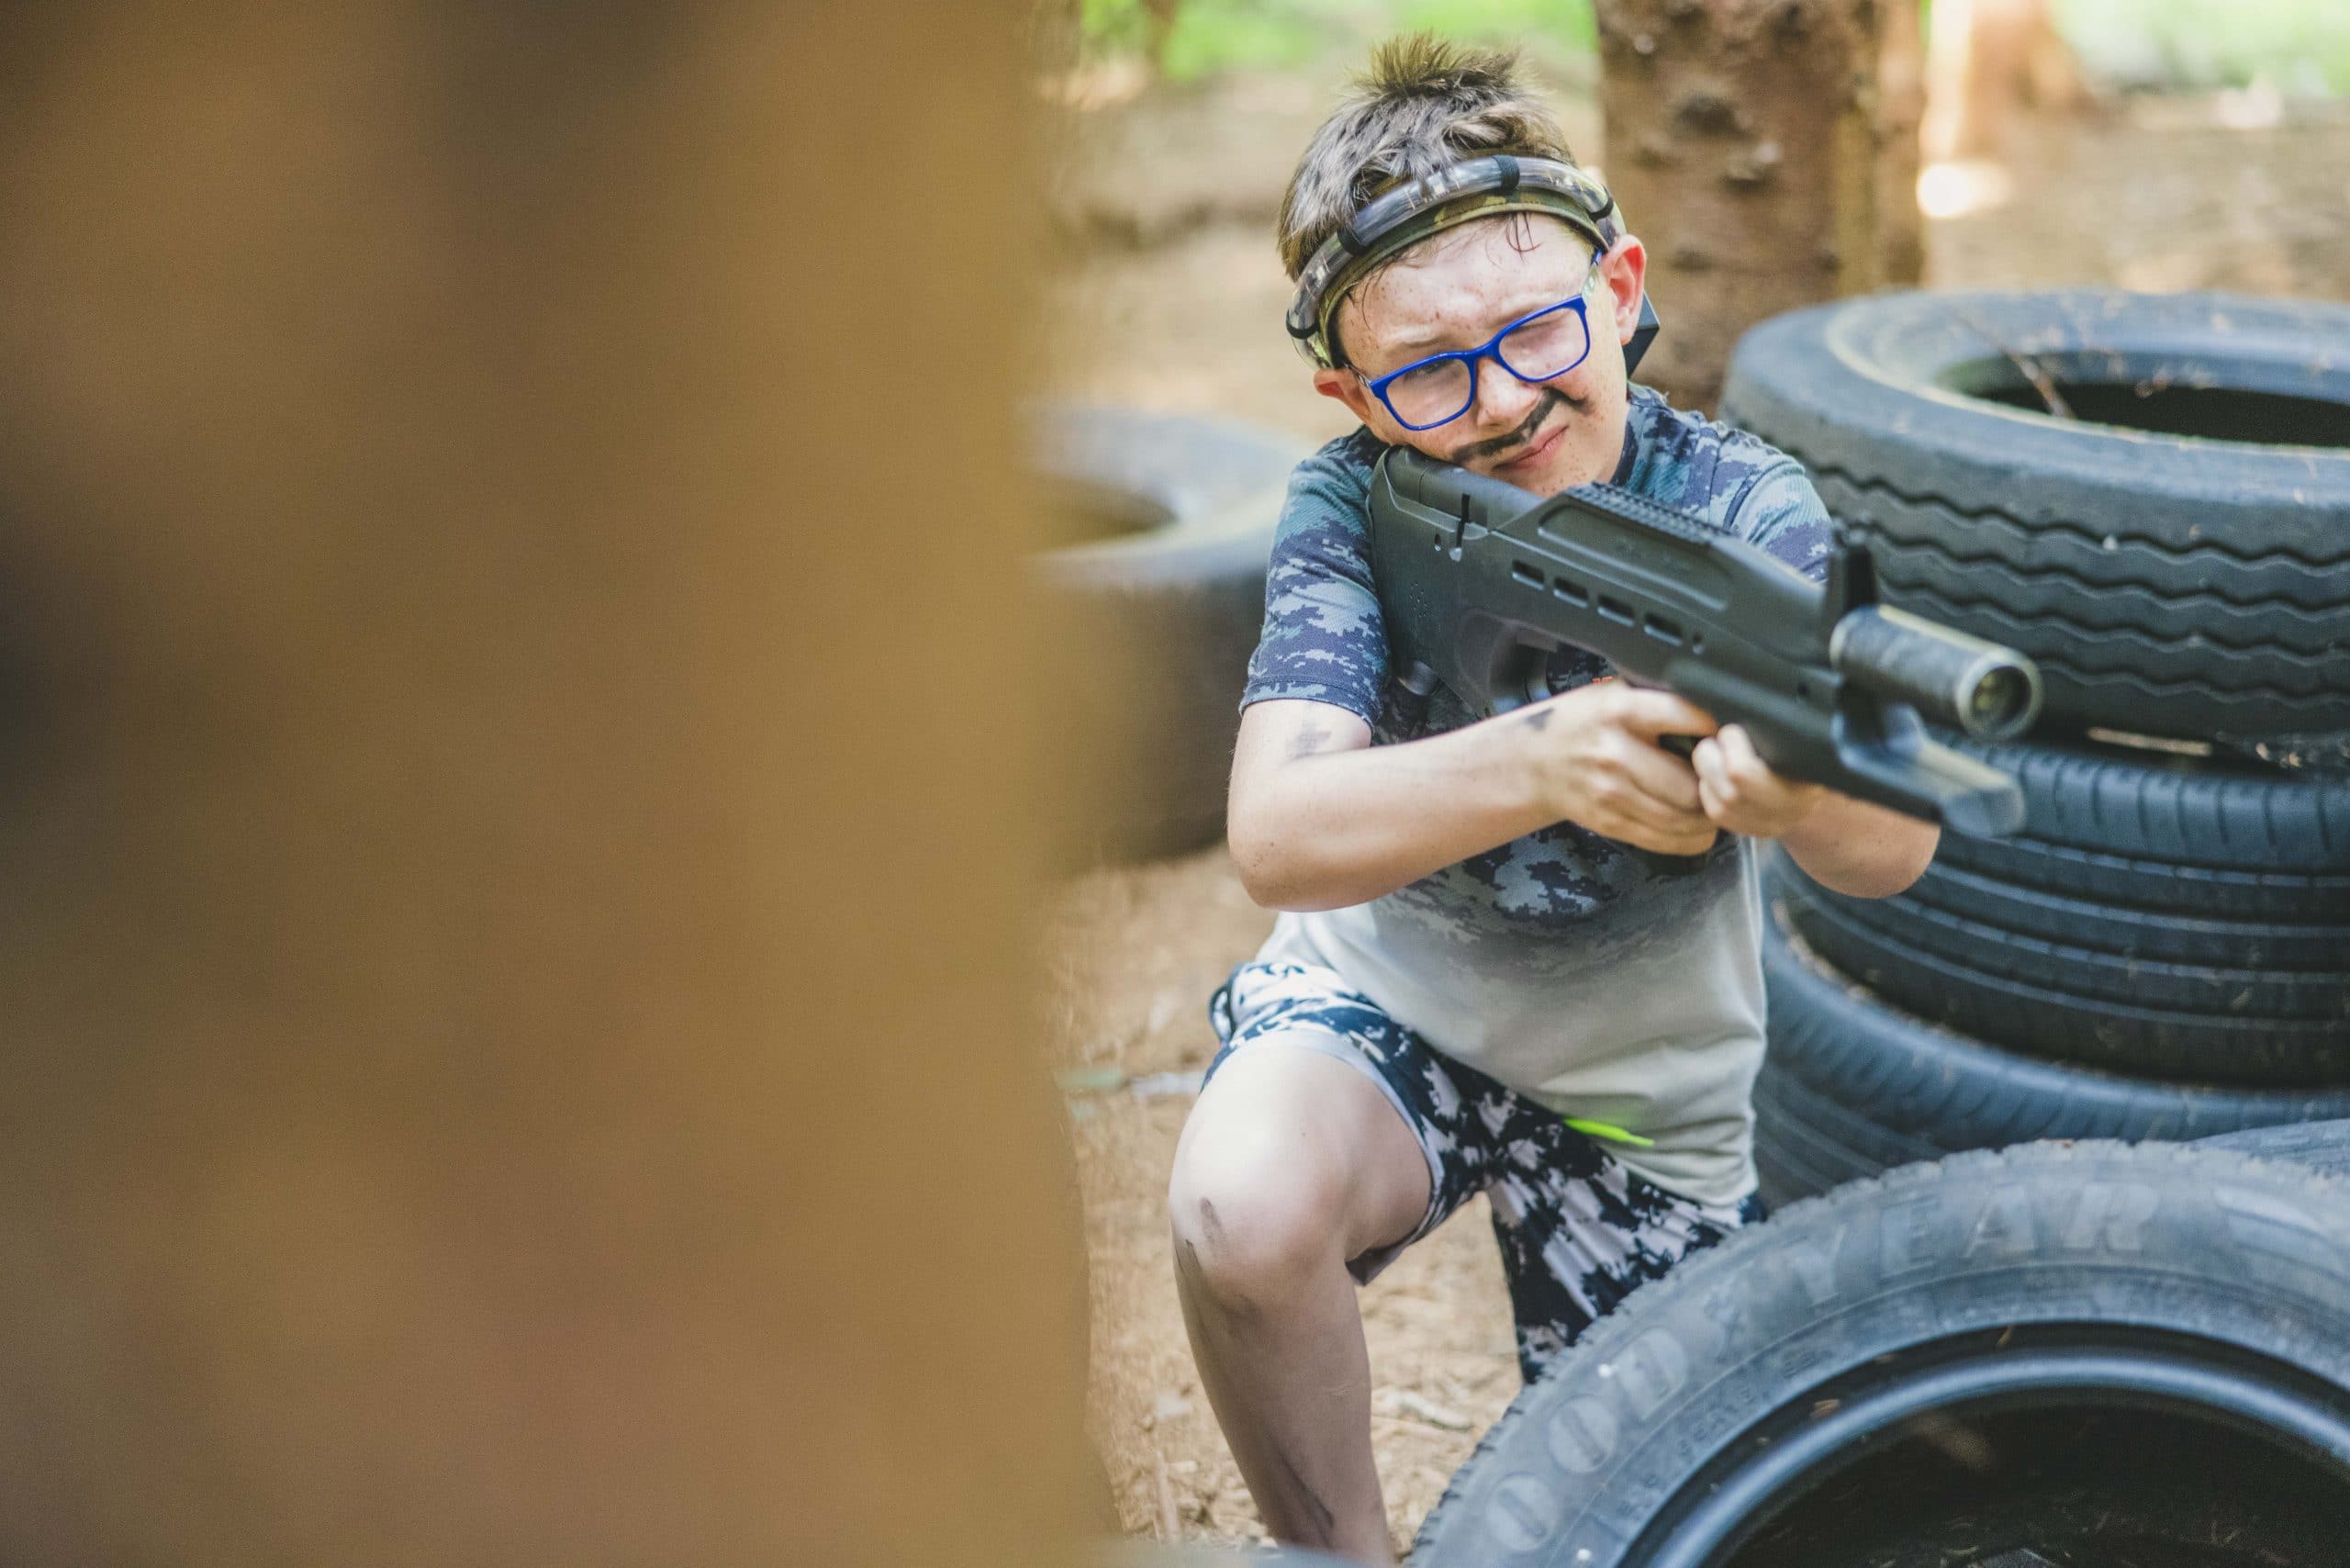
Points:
x=1438, y=389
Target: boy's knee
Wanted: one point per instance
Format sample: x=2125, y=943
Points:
x=1255, y=1209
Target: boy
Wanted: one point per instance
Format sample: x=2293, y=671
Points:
x=1476, y=983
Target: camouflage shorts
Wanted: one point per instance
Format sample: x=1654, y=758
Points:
x=1578, y=1230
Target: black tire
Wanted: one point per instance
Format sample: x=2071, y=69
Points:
x=2169, y=584
x=2323, y=1146
x=2175, y=836
x=2085, y=949
x=1852, y=1086
x=2139, y=807
x=2153, y=935
x=1938, y=1325
x=2182, y=1026
x=1150, y=628
x=2098, y=960
x=2145, y=882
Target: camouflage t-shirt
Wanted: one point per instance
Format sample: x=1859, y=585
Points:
x=1561, y=963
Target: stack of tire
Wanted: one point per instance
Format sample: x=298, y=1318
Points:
x=2150, y=496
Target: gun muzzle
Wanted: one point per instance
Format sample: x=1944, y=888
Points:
x=1985, y=691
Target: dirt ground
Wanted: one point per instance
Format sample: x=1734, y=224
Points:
x=1168, y=297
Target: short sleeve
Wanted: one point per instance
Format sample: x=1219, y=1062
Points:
x=1323, y=640
x=1781, y=512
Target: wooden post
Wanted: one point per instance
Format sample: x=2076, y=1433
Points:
x=514, y=802
x=1766, y=153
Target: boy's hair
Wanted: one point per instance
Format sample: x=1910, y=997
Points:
x=1422, y=104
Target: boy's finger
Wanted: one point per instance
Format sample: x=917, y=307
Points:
x=1739, y=758
x=1708, y=762
x=1658, y=713
x=1663, y=778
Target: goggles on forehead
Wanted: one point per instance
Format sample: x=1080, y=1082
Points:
x=1475, y=188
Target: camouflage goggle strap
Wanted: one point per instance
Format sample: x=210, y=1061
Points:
x=1480, y=188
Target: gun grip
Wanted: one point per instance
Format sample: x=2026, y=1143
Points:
x=1665, y=865
x=1682, y=747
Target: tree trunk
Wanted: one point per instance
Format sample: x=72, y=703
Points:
x=1901, y=110
x=1990, y=60
x=1766, y=151
x=515, y=794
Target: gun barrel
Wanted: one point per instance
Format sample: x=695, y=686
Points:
x=1981, y=689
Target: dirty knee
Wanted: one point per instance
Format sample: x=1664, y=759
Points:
x=1253, y=1216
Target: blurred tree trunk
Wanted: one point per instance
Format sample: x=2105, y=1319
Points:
x=518, y=1051
x=1159, y=18
x=1901, y=112
x=1767, y=151
x=1990, y=59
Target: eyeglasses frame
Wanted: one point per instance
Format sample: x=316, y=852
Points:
x=1490, y=348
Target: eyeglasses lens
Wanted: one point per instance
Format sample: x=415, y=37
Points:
x=1430, y=394
x=1546, y=345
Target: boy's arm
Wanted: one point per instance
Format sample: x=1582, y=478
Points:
x=1864, y=850
x=1848, y=846
x=1319, y=818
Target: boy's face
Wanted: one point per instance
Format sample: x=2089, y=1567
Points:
x=1457, y=289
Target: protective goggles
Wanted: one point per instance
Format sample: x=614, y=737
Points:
x=1474, y=188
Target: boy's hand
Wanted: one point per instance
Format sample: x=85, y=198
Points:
x=1740, y=792
x=1598, y=762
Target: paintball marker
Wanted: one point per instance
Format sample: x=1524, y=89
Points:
x=1481, y=581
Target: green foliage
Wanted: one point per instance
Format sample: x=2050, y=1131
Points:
x=2300, y=46
x=1209, y=36
x=1567, y=24
x=1112, y=27
x=1216, y=35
